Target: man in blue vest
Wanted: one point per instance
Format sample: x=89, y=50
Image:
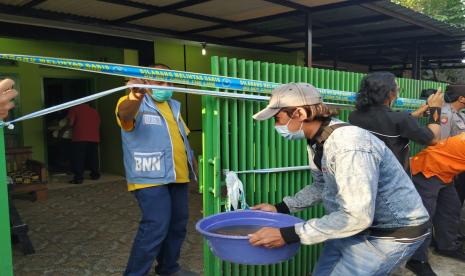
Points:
x=159, y=163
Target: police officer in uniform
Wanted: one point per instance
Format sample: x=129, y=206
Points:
x=453, y=123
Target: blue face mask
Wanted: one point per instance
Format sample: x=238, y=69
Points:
x=285, y=133
x=161, y=95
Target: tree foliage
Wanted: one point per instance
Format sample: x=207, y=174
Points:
x=450, y=11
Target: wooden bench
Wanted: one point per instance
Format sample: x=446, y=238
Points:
x=28, y=176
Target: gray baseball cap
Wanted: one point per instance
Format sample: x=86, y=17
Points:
x=289, y=95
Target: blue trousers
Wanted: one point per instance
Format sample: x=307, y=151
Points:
x=162, y=229
x=363, y=255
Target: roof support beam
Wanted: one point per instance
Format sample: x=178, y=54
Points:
x=330, y=38
x=358, y=21
x=293, y=30
x=159, y=10
x=247, y=22
x=151, y=31
x=32, y=3
x=308, y=40
x=379, y=43
x=304, y=8
x=228, y=23
x=456, y=66
x=416, y=69
x=308, y=9
x=401, y=17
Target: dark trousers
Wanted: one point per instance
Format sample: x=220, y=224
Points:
x=82, y=154
x=162, y=229
x=443, y=206
x=459, y=183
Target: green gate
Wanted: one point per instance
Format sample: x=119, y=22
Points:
x=232, y=140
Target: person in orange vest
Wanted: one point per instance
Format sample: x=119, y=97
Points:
x=433, y=171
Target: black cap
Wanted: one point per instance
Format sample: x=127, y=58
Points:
x=453, y=92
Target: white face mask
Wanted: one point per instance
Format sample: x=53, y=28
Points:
x=285, y=133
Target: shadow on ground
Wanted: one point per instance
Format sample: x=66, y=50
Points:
x=88, y=230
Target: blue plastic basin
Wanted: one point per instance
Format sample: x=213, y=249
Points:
x=237, y=249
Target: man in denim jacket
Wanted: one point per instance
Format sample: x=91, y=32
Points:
x=374, y=218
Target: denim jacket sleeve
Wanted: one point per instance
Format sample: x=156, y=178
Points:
x=308, y=196
x=350, y=191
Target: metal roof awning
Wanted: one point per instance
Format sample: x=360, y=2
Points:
x=376, y=33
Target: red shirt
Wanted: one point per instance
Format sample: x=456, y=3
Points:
x=86, y=123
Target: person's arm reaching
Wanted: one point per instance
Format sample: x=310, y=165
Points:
x=420, y=111
x=356, y=175
x=128, y=109
x=308, y=196
x=7, y=94
x=410, y=128
x=275, y=237
x=435, y=103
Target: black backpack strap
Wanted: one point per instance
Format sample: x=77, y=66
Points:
x=327, y=130
x=323, y=134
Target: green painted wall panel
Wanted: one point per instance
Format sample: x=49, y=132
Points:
x=31, y=87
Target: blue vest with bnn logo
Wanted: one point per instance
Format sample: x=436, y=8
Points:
x=148, y=148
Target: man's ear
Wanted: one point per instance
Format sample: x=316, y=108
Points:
x=393, y=95
x=301, y=114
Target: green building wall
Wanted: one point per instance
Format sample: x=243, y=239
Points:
x=188, y=56
x=30, y=78
x=178, y=55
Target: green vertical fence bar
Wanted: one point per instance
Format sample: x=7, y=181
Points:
x=278, y=73
x=211, y=197
x=243, y=145
x=305, y=181
x=225, y=156
x=216, y=161
x=265, y=155
x=318, y=82
x=6, y=261
x=313, y=79
x=272, y=162
x=234, y=136
x=285, y=70
x=257, y=151
x=298, y=177
x=207, y=201
x=265, y=149
x=250, y=148
x=292, y=175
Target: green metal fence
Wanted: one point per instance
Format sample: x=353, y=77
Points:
x=233, y=140
x=6, y=261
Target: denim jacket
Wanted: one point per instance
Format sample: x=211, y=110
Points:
x=361, y=184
